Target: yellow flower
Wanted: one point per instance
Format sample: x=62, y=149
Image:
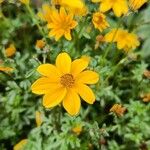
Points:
x=45, y=14
x=118, y=109
x=10, y=51
x=119, y=7
x=77, y=130
x=125, y=40
x=136, y=4
x=146, y=73
x=65, y=82
x=26, y=2
x=145, y=97
x=20, y=145
x=77, y=7
x=61, y=24
x=38, y=118
x=40, y=44
x=5, y=69
x=99, y=21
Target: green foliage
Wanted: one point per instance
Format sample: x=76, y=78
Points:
x=121, y=81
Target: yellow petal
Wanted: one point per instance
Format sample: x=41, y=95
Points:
x=44, y=85
x=117, y=10
x=86, y=93
x=52, y=99
x=78, y=66
x=63, y=63
x=72, y=102
x=96, y=1
x=38, y=118
x=105, y=6
x=6, y=69
x=20, y=145
x=49, y=70
x=68, y=35
x=87, y=77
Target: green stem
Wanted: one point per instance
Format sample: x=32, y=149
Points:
x=34, y=17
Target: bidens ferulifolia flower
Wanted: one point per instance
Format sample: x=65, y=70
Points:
x=77, y=7
x=40, y=44
x=10, y=51
x=125, y=40
x=145, y=97
x=118, y=109
x=119, y=7
x=66, y=83
x=61, y=24
x=136, y=4
x=77, y=129
x=99, y=21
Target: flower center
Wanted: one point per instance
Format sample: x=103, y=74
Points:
x=67, y=80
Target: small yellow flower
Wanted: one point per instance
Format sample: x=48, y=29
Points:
x=145, y=97
x=136, y=4
x=5, y=69
x=38, y=118
x=77, y=7
x=99, y=40
x=118, y=109
x=40, y=44
x=119, y=7
x=20, y=145
x=126, y=41
x=147, y=73
x=65, y=82
x=45, y=13
x=77, y=130
x=26, y=2
x=62, y=24
x=99, y=21
x=10, y=51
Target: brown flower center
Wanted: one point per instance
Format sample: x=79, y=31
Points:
x=67, y=80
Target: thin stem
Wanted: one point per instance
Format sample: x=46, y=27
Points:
x=34, y=17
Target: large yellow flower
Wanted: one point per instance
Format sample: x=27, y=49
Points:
x=99, y=21
x=119, y=7
x=66, y=83
x=61, y=24
x=136, y=4
x=124, y=39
